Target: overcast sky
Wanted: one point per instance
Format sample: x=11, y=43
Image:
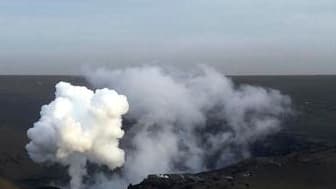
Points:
x=237, y=36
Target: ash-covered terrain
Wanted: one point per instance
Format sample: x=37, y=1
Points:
x=301, y=155
x=308, y=170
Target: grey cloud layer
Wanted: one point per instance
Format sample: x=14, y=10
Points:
x=284, y=37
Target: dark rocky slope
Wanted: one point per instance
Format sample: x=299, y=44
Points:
x=313, y=169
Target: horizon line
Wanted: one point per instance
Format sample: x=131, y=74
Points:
x=229, y=75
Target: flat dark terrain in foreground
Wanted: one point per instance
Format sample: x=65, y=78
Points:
x=300, y=156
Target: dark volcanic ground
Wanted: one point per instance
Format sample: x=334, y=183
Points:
x=304, y=170
x=282, y=161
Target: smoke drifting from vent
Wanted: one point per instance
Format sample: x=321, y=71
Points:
x=79, y=126
x=189, y=122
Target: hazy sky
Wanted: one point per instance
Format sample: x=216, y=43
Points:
x=237, y=36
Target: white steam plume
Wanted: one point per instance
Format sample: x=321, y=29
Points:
x=181, y=121
x=79, y=126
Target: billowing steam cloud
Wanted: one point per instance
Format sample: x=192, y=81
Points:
x=182, y=121
x=178, y=122
x=79, y=126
